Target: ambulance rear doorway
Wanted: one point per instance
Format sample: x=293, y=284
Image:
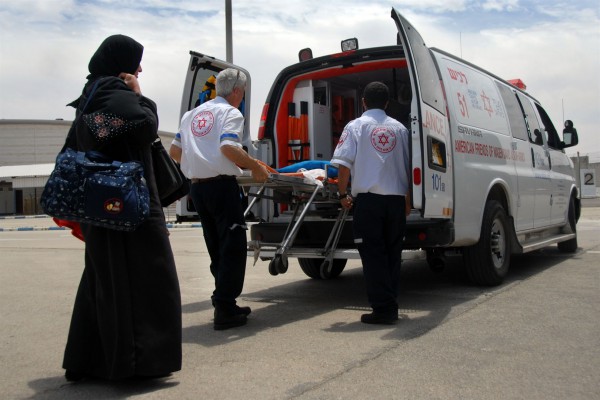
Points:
x=322, y=107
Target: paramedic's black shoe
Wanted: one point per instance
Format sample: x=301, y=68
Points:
x=381, y=318
x=226, y=320
x=243, y=310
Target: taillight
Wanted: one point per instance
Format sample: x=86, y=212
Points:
x=417, y=176
x=263, y=119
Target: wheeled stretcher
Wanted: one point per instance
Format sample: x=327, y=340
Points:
x=307, y=200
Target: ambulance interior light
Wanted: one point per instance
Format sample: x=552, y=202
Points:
x=350, y=44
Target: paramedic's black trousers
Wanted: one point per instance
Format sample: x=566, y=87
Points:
x=219, y=206
x=379, y=224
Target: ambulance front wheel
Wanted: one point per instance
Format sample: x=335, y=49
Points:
x=317, y=268
x=570, y=246
x=487, y=261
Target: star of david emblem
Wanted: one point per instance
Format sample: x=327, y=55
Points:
x=487, y=104
x=202, y=123
x=383, y=139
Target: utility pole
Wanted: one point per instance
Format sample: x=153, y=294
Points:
x=228, y=30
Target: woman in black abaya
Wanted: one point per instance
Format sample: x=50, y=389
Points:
x=127, y=316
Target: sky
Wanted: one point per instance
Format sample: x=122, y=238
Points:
x=45, y=47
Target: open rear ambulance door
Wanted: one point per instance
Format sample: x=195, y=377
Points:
x=431, y=146
x=196, y=89
x=197, y=79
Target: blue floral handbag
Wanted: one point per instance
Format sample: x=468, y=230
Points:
x=87, y=187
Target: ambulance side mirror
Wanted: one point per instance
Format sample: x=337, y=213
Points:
x=570, y=137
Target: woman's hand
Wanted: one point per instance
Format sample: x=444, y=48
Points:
x=131, y=81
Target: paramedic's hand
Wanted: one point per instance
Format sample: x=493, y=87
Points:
x=346, y=201
x=131, y=82
x=259, y=173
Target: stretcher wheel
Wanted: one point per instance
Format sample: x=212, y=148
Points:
x=278, y=265
x=436, y=260
x=272, y=268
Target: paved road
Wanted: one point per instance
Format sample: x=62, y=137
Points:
x=535, y=337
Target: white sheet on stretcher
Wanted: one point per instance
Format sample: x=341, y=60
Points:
x=313, y=175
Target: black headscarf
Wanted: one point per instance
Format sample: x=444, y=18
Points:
x=116, y=54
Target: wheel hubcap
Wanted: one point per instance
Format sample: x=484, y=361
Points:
x=497, y=243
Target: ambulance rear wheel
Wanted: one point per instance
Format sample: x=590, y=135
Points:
x=487, y=261
x=312, y=267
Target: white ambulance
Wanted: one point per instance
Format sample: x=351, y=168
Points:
x=490, y=177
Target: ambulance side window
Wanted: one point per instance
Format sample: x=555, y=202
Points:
x=514, y=113
x=552, y=135
x=533, y=126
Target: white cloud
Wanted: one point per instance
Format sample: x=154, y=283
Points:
x=500, y=5
x=45, y=46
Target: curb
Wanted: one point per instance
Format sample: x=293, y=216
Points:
x=62, y=228
x=23, y=216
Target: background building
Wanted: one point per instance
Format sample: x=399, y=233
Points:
x=28, y=149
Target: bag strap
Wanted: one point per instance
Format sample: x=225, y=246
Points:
x=71, y=132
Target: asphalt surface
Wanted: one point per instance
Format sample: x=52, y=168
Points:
x=537, y=336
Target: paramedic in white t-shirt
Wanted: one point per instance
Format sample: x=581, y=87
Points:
x=373, y=150
x=212, y=156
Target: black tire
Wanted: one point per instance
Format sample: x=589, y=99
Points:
x=570, y=246
x=312, y=267
x=487, y=261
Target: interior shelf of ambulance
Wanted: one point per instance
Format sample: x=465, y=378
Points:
x=321, y=109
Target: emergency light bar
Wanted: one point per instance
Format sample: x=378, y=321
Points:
x=350, y=44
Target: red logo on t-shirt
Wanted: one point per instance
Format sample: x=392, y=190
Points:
x=202, y=123
x=383, y=139
x=343, y=138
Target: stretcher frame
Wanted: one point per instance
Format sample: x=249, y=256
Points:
x=301, y=194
